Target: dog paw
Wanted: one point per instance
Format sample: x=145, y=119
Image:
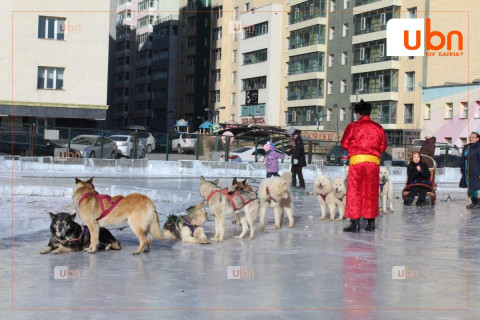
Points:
x=205, y=241
x=55, y=252
x=44, y=251
x=321, y=218
x=90, y=250
x=238, y=237
x=214, y=239
x=277, y=226
x=261, y=227
x=290, y=225
x=331, y=219
x=339, y=219
x=135, y=253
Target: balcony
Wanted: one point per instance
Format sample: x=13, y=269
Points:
x=363, y=2
x=374, y=59
x=305, y=70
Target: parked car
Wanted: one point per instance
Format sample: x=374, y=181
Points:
x=247, y=154
x=89, y=146
x=126, y=145
x=336, y=156
x=184, y=142
x=147, y=140
x=22, y=146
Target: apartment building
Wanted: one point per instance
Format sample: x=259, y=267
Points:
x=134, y=58
x=56, y=73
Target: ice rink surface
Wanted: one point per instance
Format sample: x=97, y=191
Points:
x=313, y=266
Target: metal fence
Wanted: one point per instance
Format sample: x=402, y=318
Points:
x=68, y=143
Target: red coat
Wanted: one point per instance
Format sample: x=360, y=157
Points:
x=367, y=138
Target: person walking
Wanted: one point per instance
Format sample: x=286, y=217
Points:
x=271, y=159
x=471, y=169
x=298, y=158
x=365, y=141
x=418, y=173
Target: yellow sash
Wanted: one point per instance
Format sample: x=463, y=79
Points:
x=364, y=158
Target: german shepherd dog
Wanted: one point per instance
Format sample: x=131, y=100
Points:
x=189, y=227
x=69, y=236
x=136, y=209
x=220, y=204
x=240, y=186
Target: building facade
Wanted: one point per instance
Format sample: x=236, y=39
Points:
x=65, y=82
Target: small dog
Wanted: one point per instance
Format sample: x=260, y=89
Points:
x=326, y=198
x=386, y=189
x=340, y=195
x=222, y=202
x=240, y=186
x=69, y=236
x=136, y=209
x=274, y=192
x=189, y=227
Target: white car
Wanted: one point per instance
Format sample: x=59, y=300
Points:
x=147, y=140
x=247, y=154
x=126, y=145
x=185, y=142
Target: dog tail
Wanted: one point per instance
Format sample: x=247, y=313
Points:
x=154, y=229
x=287, y=176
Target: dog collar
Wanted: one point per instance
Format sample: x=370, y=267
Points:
x=381, y=186
x=84, y=231
x=189, y=225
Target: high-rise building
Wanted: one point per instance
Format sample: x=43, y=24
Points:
x=56, y=72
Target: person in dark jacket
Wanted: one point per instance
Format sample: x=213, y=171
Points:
x=470, y=169
x=428, y=149
x=298, y=158
x=417, y=172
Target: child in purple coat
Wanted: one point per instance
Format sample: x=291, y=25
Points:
x=271, y=159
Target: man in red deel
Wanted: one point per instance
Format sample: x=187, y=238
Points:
x=365, y=141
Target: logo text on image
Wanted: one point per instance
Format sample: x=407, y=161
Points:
x=239, y=273
x=402, y=273
x=64, y=273
x=70, y=28
x=412, y=32
x=237, y=26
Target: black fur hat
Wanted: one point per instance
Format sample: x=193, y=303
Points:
x=363, y=108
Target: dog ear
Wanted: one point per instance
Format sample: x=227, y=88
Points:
x=216, y=181
x=77, y=180
x=90, y=181
x=52, y=215
x=388, y=167
x=234, y=182
x=244, y=181
x=72, y=216
x=202, y=179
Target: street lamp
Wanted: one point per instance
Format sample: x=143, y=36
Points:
x=215, y=112
x=254, y=120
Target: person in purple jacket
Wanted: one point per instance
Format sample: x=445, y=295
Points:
x=271, y=159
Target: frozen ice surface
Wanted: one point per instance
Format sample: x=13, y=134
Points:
x=314, y=265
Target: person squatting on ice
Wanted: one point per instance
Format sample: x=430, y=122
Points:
x=298, y=158
x=271, y=159
x=365, y=141
x=417, y=172
x=471, y=169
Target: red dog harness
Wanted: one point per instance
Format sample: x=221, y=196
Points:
x=102, y=197
x=230, y=197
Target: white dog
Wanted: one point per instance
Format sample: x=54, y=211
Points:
x=326, y=198
x=223, y=202
x=386, y=188
x=274, y=192
x=340, y=194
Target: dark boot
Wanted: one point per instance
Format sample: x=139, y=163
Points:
x=407, y=202
x=473, y=204
x=420, y=203
x=370, y=225
x=354, y=227
x=477, y=204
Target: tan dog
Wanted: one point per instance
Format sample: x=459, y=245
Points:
x=240, y=186
x=188, y=227
x=274, y=192
x=136, y=209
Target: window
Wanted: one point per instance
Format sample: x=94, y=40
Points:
x=448, y=140
x=343, y=86
x=234, y=77
x=376, y=81
x=255, y=110
x=331, y=58
x=476, y=115
x=51, y=28
x=233, y=99
x=190, y=61
x=464, y=110
x=255, y=56
x=191, y=42
x=331, y=34
x=329, y=114
x=215, y=96
x=428, y=111
x=235, y=13
x=344, y=58
x=307, y=36
x=345, y=30
x=384, y=112
x=190, y=79
x=412, y=13
x=50, y=78
x=342, y=114
x=307, y=10
x=191, y=22
x=306, y=89
x=217, y=34
x=234, y=55
x=346, y=4
x=330, y=87
x=448, y=110
x=145, y=21
x=218, y=12
x=246, y=7
x=215, y=75
x=160, y=55
x=254, y=83
x=408, y=113
x=332, y=5
x=410, y=81
x=375, y=20
x=217, y=54
x=255, y=30
x=304, y=63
